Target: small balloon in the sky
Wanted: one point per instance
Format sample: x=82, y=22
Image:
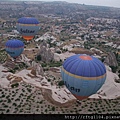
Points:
x=14, y=47
x=28, y=27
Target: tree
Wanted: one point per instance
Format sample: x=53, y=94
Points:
x=119, y=75
x=59, y=52
x=61, y=83
x=53, y=108
x=38, y=57
x=114, y=68
x=60, y=60
x=15, y=85
x=7, y=110
x=102, y=59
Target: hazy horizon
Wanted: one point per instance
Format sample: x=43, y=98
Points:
x=109, y=3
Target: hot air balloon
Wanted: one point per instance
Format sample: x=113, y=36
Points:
x=83, y=75
x=14, y=47
x=27, y=27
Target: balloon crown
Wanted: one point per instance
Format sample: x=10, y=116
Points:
x=85, y=57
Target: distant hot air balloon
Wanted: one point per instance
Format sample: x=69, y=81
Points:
x=83, y=75
x=14, y=47
x=27, y=27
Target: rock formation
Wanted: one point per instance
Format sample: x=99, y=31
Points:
x=111, y=59
x=46, y=53
x=25, y=60
x=48, y=95
x=38, y=68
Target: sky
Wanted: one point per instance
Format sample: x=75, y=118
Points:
x=110, y=3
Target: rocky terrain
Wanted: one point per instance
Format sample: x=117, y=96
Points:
x=111, y=60
x=32, y=83
x=33, y=90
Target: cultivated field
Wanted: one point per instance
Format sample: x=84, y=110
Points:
x=28, y=99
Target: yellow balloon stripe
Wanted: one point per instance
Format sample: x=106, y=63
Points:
x=84, y=78
x=28, y=24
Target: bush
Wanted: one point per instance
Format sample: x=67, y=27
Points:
x=12, y=71
x=41, y=101
x=44, y=64
x=5, y=106
x=114, y=69
x=7, y=96
x=9, y=101
x=15, y=85
x=17, y=99
x=59, y=52
x=89, y=110
x=14, y=104
x=16, y=68
x=55, y=64
x=38, y=57
x=7, y=110
x=46, y=110
x=29, y=90
x=48, y=80
x=61, y=83
x=3, y=95
x=53, y=108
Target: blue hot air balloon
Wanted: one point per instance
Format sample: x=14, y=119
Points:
x=83, y=75
x=27, y=27
x=14, y=47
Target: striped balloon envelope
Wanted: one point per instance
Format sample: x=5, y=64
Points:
x=14, y=47
x=27, y=27
x=83, y=75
